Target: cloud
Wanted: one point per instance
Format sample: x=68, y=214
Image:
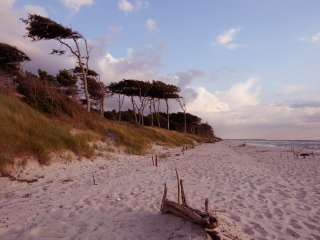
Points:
x=12, y=30
x=34, y=9
x=137, y=64
x=242, y=94
x=151, y=25
x=127, y=7
x=314, y=38
x=75, y=5
x=206, y=102
x=305, y=104
x=226, y=38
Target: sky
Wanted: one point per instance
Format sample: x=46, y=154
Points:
x=250, y=68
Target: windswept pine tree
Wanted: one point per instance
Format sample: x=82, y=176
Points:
x=43, y=28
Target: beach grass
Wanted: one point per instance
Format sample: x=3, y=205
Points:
x=26, y=132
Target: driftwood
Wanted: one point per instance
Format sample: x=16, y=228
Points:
x=13, y=178
x=304, y=155
x=203, y=219
x=295, y=152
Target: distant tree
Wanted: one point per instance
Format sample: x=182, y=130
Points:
x=184, y=109
x=118, y=88
x=44, y=76
x=97, y=91
x=11, y=58
x=68, y=82
x=42, y=28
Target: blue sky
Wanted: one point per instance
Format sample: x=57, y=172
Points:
x=250, y=68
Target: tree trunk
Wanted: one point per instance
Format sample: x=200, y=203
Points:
x=185, y=122
x=151, y=113
x=168, y=120
x=134, y=110
x=101, y=107
x=86, y=92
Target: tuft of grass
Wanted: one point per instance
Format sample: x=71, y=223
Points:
x=25, y=131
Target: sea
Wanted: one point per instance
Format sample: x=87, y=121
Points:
x=307, y=145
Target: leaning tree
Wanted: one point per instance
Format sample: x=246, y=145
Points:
x=11, y=58
x=43, y=28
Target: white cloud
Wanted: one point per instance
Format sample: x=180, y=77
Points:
x=206, y=102
x=125, y=6
x=151, y=25
x=12, y=30
x=242, y=94
x=34, y=9
x=75, y=5
x=128, y=7
x=314, y=38
x=143, y=65
x=226, y=38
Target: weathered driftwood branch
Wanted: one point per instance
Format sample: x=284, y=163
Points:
x=204, y=219
x=13, y=178
x=295, y=152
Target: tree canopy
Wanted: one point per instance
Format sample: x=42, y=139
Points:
x=11, y=57
x=43, y=28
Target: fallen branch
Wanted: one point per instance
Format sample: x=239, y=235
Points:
x=203, y=219
x=13, y=178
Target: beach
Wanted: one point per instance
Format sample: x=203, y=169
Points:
x=259, y=193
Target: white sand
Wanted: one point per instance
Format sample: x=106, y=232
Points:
x=265, y=192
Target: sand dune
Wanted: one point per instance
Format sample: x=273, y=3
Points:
x=263, y=193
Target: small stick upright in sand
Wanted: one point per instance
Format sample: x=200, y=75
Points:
x=183, y=196
x=178, y=184
x=206, y=205
x=94, y=180
x=152, y=161
x=156, y=160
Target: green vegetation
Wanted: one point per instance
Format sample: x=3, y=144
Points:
x=41, y=114
x=27, y=132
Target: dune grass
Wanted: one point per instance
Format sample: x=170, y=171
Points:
x=25, y=131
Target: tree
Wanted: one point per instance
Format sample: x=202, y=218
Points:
x=11, y=58
x=44, y=76
x=118, y=88
x=97, y=91
x=184, y=109
x=42, y=28
x=67, y=81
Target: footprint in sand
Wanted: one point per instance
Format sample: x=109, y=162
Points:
x=292, y=233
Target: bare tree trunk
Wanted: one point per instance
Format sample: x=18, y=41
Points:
x=157, y=111
x=120, y=100
x=134, y=110
x=151, y=113
x=168, y=120
x=101, y=107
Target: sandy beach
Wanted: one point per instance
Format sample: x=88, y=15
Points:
x=264, y=193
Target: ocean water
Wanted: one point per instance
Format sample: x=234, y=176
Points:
x=308, y=145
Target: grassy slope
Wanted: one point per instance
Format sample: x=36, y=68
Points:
x=25, y=131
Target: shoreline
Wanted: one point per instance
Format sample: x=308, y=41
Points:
x=265, y=193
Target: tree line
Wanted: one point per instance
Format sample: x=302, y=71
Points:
x=142, y=94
